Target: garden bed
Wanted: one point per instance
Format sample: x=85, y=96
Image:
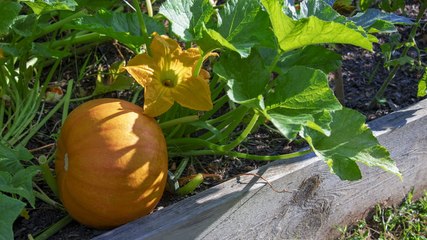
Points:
x=315, y=202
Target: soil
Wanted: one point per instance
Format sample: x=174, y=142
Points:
x=363, y=73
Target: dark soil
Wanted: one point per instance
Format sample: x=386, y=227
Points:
x=363, y=73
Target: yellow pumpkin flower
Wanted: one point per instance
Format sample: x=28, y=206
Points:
x=167, y=76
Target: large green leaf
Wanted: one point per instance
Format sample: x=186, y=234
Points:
x=246, y=78
x=293, y=34
x=244, y=25
x=8, y=11
x=25, y=25
x=290, y=122
x=187, y=17
x=302, y=88
x=301, y=97
x=20, y=183
x=42, y=6
x=212, y=40
x=313, y=56
x=373, y=18
x=121, y=26
x=321, y=10
x=10, y=208
x=351, y=141
x=10, y=158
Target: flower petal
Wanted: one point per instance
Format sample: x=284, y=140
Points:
x=142, y=68
x=157, y=99
x=163, y=46
x=193, y=93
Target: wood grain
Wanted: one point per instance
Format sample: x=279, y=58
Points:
x=318, y=201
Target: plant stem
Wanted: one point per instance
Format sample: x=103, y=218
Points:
x=59, y=24
x=243, y=135
x=177, y=121
x=47, y=175
x=243, y=155
x=67, y=101
x=54, y=228
x=144, y=33
x=391, y=75
x=149, y=7
x=80, y=39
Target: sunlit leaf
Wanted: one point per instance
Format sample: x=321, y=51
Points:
x=293, y=34
x=213, y=40
x=422, y=85
x=42, y=6
x=350, y=142
x=302, y=88
x=301, y=97
x=187, y=17
x=10, y=209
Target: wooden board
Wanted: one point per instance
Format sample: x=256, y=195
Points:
x=318, y=201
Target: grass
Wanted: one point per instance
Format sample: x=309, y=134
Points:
x=407, y=221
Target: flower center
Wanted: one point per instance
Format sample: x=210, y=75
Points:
x=168, y=83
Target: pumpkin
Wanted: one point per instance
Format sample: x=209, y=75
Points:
x=111, y=163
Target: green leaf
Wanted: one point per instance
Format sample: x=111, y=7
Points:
x=422, y=85
x=8, y=11
x=321, y=10
x=371, y=16
x=187, y=17
x=244, y=25
x=10, y=209
x=391, y=5
x=302, y=88
x=10, y=158
x=301, y=97
x=20, y=183
x=121, y=26
x=97, y=4
x=351, y=141
x=212, y=40
x=246, y=78
x=290, y=122
x=116, y=80
x=44, y=50
x=25, y=25
x=316, y=57
x=307, y=31
x=365, y=4
x=43, y=6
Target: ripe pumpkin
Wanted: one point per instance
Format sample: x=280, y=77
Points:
x=111, y=163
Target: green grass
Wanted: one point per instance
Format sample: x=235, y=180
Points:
x=407, y=221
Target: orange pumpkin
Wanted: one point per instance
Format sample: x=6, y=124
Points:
x=111, y=163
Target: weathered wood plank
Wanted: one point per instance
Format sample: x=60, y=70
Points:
x=246, y=208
